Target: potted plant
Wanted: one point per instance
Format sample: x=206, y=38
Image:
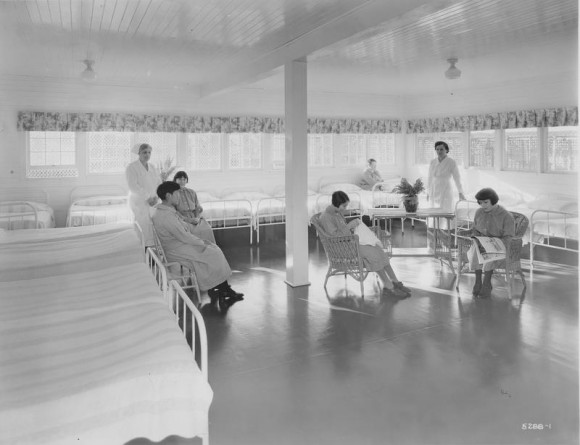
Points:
x=410, y=192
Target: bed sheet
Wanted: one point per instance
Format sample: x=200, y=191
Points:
x=87, y=215
x=228, y=213
x=47, y=252
x=45, y=216
x=95, y=358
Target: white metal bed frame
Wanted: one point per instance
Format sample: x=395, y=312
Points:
x=14, y=221
x=240, y=219
x=21, y=196
x=265, y=216
x=565, y=216
x=105, y=194
x=188, y=318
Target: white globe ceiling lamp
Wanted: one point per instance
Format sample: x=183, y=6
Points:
x=89, y=74
x=453, y=72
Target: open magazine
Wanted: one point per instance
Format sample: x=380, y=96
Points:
x=488, y=248
x=366, y=236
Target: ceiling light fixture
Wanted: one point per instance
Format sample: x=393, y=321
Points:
x=89, y=74
x=453, y=72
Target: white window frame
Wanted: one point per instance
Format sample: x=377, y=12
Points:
x=246, y=146
x=51, y=171
x=504, y=160
x=544, y=149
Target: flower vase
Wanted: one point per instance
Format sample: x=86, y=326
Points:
x=410, y=203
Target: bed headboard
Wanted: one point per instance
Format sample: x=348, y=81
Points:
x=24, y=194
x=88, y=191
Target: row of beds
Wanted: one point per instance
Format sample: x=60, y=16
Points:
x=96, y=345
x=553, y=219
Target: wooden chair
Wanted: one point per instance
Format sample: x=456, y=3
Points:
x=343, y=253
x=175, y=270
x=512, y=264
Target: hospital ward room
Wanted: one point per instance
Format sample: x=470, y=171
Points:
x=289, y=222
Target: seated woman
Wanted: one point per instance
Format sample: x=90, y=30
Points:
x=374, y=258
x=491, y=220
x=189, y=207
x=370, y=175
x=182, y=246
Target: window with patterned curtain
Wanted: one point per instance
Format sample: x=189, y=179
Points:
x=164, y=146
x=456, y=141
x=244, y=150
x=204, y=151
x=108, y=151
x=320, y=150
x=382, y=148
x=51, y=154
x=561, y=154
x=278, y=151
x=521, y=149
x=481, y=148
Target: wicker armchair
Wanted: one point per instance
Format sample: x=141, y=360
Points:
x=343, y=253
x=512, y=264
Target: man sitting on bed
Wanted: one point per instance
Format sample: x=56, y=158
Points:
x=180, y=245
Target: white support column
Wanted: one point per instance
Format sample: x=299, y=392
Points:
x=296, y=174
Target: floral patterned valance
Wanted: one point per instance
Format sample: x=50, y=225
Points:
x=548, y=117
x=54, y=121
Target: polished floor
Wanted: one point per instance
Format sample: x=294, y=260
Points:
x=302, y=366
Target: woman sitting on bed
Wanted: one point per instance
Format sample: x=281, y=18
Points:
x=374, y=258
x=182, y=246
x=491, y=220
x=189, y=208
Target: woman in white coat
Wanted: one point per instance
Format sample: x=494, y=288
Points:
x=143, y=179
x=441, y=170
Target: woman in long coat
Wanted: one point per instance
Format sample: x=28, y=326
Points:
x=373, y=257
x=191, y=210
x=143, y=179
x=204, y=257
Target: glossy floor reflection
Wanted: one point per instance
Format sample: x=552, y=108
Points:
x=302, y=366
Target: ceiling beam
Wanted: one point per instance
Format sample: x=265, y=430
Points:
x=368, y=15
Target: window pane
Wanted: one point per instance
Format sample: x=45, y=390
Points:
x=244, y=150
x=424, y=148
x=203, y=151
x=164, y=145
x=481, y=148
x=562, y=151
x=278, y=150
x=52, y=154
x=521, y=149
x=320, y=150
x=353, y=149
x=45, y=148
x=108, y=151
x=381, y=147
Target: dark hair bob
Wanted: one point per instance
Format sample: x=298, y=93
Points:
x=444, y=145
x=487, y=193
x=339, y=198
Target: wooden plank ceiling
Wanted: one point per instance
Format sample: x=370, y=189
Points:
x=390, y=46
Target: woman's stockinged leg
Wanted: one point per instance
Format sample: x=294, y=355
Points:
x=385, y=279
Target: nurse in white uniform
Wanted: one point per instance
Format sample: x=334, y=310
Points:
x=143, y=179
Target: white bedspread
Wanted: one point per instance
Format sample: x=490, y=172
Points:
x=95, y=358
x=48, y=252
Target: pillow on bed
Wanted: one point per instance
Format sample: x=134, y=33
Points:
x=510, y=199
x=344, y=186
x=205, y=196
x=250, y=196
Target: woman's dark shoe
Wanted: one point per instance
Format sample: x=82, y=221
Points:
x=395, y=293
x=232, y=294
x=399, y=285
x=478, y=284
x=213, y=295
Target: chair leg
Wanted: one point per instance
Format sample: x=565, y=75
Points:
x=362, y=289
x=521, y=274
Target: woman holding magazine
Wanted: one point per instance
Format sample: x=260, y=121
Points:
x=490, y=220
